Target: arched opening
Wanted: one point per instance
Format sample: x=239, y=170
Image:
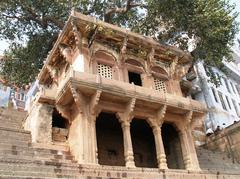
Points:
x=109, y=140
x=104, y=64
x=134, y=71
x=159, y=71
x=60, y=127
x=143, y=144
x=172, y=147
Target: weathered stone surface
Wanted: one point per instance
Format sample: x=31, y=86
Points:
x=39, y=123
x=227, y=140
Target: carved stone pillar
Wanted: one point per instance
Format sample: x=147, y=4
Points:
x=185, y=150
x=127, y=140
x=128, y=149
x=188, y=148
x=94, y=138
x=192, y=150
x=161, y=157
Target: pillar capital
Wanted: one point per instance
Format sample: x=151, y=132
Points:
x=156, y=130
x=63, y=110
x=128, y=115
x=94, y=103
x=78, y=98
x=188, y=117
x=77, y=35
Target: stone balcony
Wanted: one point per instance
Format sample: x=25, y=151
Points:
x=121, y=92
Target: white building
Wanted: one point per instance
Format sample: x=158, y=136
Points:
x=223, y=101
x=4, y=95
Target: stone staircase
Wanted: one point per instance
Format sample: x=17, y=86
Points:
x=216, y=161
x=19, y=158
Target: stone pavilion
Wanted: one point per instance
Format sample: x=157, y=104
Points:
x=114, y=97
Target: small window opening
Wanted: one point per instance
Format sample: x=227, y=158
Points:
x=105, y=71
x=135, y=78
x=160, y=85
x=58, y=120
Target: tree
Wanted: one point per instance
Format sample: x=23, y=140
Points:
x=209, y=23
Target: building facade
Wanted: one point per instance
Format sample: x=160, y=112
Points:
x=117, y=97
x=223, y=101
x=4, y=95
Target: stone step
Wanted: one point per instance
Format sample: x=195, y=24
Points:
x=35, y=161
x=23, y=177
x=216, y=161
x=54, y=146
x=39, y=167
x=11, y=118
x=12, y=112
x=13, y=142
x=11, y=125
x=17, y=133
x=12, y=137
x=35, y=174
x=34, y=153
x=30, y=177
x=5, y=129
x=28, y=156
x=33, y=149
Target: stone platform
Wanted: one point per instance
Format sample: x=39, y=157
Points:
x=19, y=158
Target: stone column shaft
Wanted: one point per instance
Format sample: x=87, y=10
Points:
x=128, y=149
x=95, y=149
x=161, y=157
x=185, y=150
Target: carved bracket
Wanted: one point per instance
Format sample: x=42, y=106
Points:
x=66, y=52
x=64, y=112
x=78, y=37
x=92, y=35
x=78, y=98
x=94, y=102
x=123, y=51
x=128, y=115
x=130, y=108
x=188, y=117
x=161, y=114
x=151, y=55
x=53, y=73
x=173, y=67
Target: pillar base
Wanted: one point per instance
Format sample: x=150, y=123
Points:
x=130, y=164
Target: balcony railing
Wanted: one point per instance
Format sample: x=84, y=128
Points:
x=131, y=90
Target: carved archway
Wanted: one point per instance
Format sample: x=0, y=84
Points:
x=143, y=144
x=109, y=140
x=172, y=146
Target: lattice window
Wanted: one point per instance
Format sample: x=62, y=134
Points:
x=105, y=71
x=160, y=85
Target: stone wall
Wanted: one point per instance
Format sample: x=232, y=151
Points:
x=39, y=123
x=59, y=134
x=227, y=140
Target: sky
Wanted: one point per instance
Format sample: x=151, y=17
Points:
x=4, y=44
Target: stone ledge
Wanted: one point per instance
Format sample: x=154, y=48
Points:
x=114, y=87
x=14, y=130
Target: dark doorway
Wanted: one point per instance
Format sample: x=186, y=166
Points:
x=109, y=140
x=143, y=144
x=60, y=127
x=59, y=121
x=135, y=78
x=172, y=146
